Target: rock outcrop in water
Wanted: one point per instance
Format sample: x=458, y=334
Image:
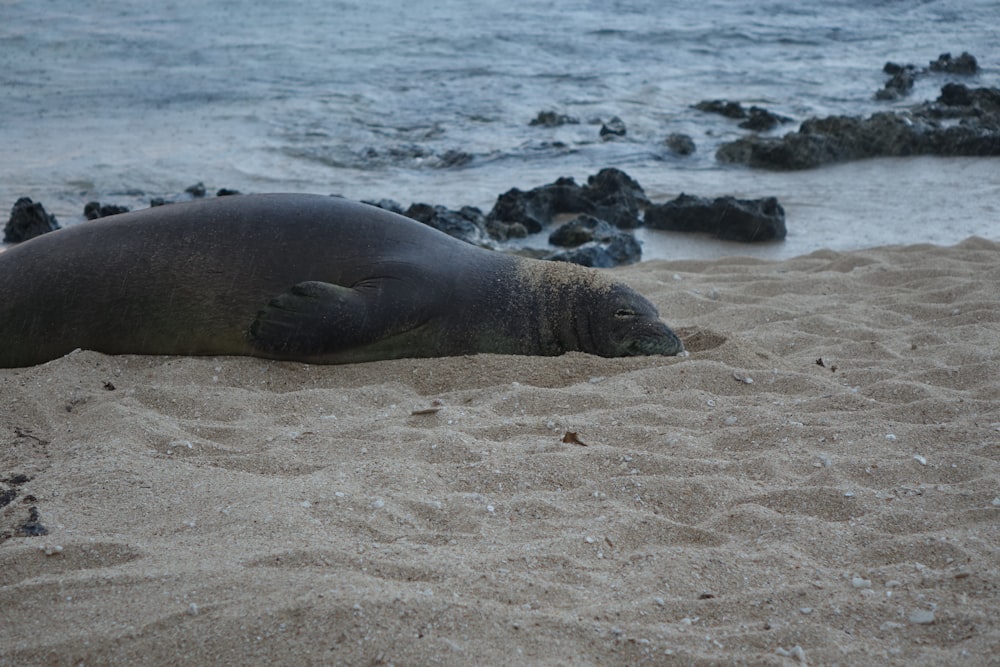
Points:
x=95, y=209
x=902, y=77
x=755, y=118
x=613, y=129
x=748, y=220
x=964, y=64
x=607, y=208
x=28, y=219
x=553, y=119
x=680, y=144
x=610, y=195
x=900, y=83
x=961, y=122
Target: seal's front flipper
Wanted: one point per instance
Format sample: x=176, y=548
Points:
x=311, y=318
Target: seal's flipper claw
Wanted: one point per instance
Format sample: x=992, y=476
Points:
x=311, y=318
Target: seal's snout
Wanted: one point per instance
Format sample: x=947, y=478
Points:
x=656, y=339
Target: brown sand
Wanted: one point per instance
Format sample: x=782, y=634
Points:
x=743, y=505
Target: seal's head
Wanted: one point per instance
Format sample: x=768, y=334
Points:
x=580, y=309
x=625, y=324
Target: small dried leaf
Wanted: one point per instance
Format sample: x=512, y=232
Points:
x=572, y=439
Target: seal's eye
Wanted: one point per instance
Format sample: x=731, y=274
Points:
x=624, y=313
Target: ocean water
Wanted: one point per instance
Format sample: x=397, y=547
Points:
x=430, y=100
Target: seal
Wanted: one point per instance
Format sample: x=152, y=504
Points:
x=302, y=277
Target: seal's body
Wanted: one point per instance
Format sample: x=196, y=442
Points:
x=301, y=277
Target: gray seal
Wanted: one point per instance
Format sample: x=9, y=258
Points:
x=302, y=277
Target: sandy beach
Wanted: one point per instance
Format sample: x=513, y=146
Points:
x=818, y=482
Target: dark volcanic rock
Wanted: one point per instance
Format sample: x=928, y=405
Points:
x=984, y=102
x=902, y=77
x=453, y=158
x=916, y=131
x=197, y=190
x=900, y=83
x=467, y=224
x=534, y=209
x=725, y=217
x=680, y=144
x=755, y=118
x=610, y=195
x=964, y=64
x=762, y=120
x=613, y=128
x=723, y=107
x=94, y=210
x=226, y=192
x=387, y=204
x=611, y=182
x=955, y=95
x=553, y=119
x=28, y=219
x=616, y=197
x=622, y=248
x=595, y=243
x=582, y=229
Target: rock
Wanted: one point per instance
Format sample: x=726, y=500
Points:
x=226, y=192
x=613, y=128
x=964, y=64
x=595, y=243
x=900, y=83
x=611, y=195
x=984, y=103
x=616, y=197
x=955, y=95
x=467, y=224
x=726, y=217
x=915, y=131
x=609, y=182
x=27, y=220
x=94, y=210
x=453, y=158
x=755, y=118
x=534, y=209
x=892, y=68
x=158, y=201
x=902, y=77
x=824, y=140
x=622, y=248
x=197, y=190
x=553, y=119
x=388, y=204
x=723, y=107
x=680, y=144
x=761, y=120
x=580, y=230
